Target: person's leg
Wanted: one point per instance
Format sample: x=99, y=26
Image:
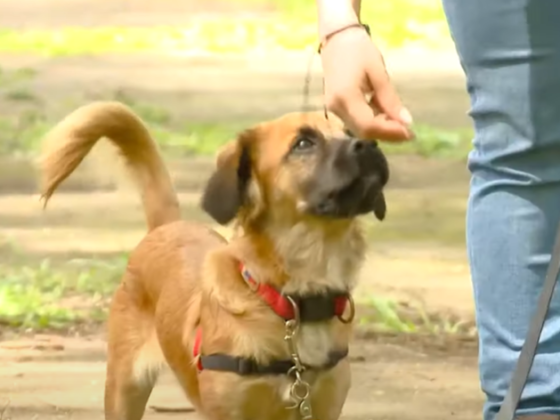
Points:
x=510, y=51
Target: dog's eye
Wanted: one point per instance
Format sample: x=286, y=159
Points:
x=303, y=143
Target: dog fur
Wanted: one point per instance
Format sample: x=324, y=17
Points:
x=184, y=275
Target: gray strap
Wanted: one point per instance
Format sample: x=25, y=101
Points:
x=525, y=361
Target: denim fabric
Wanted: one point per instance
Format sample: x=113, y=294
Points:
x=510, y=52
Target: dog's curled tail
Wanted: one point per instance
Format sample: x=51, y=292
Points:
x=70, y=141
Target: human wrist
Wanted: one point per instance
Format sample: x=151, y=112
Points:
x=353, y=26
x=335, y=14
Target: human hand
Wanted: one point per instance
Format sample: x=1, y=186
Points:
x=353, y=67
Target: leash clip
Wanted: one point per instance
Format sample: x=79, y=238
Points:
x=300, y=390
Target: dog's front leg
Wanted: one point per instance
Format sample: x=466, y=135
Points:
x=330, y=392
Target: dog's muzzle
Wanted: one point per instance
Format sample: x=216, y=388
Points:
x=350, y=181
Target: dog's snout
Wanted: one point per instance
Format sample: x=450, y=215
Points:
x=359, y=147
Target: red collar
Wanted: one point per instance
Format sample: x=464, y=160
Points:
x=280, y=303
x=311, y=308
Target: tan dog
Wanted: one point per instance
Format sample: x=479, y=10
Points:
x=250, y=327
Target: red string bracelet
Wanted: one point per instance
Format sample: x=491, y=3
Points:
x=342, y=29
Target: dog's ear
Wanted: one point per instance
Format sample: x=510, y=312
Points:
x=226, y=190
x=380, y=206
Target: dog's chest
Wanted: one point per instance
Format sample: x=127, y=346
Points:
x=314, y=343
x=314, y=265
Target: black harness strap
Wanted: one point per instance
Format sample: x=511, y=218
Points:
x=525, y=361
x=246, y=366
x=317, y=308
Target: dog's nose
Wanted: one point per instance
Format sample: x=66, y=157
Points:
x=359, y=147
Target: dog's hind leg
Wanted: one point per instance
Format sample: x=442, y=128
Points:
x=134, y=359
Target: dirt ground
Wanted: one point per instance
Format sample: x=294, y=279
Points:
x=395, y=377
x=391, y=381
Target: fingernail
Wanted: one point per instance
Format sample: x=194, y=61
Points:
x=410, y=135
x=406, y=116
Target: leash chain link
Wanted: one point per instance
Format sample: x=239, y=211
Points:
x=307, y=86
x=300, y=390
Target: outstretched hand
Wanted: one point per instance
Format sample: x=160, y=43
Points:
x=353, y=67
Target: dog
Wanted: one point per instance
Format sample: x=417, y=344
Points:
x=257, y=327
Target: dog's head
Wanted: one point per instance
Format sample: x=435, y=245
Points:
x=299, y=166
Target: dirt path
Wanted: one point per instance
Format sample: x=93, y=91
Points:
x=390, y=382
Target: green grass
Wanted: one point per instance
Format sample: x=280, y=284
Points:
x=58, y=296
x=435, y=142
x=54, y=296
x=386, y=315
x=23, y=135
x=395, y=24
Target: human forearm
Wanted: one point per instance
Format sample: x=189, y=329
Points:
x=333, y=14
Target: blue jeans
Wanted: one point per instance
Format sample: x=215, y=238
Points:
x=510, y=52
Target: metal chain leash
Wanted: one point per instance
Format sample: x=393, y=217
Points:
x=307, y=83
x=300, y=390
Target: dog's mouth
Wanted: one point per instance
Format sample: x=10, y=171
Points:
x=352, y=199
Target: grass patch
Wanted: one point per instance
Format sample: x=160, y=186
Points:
x=54, y=296
x=23, y=135
x=58, y=296
x=24, y=127
x=395, y=24
x=22, y=132
x=385, y=315
x=435, y=142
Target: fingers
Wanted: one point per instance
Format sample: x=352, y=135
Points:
x=386, y=97
x=361, y=119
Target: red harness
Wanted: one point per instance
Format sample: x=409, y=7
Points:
x=281, y=304
x=196, y=348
